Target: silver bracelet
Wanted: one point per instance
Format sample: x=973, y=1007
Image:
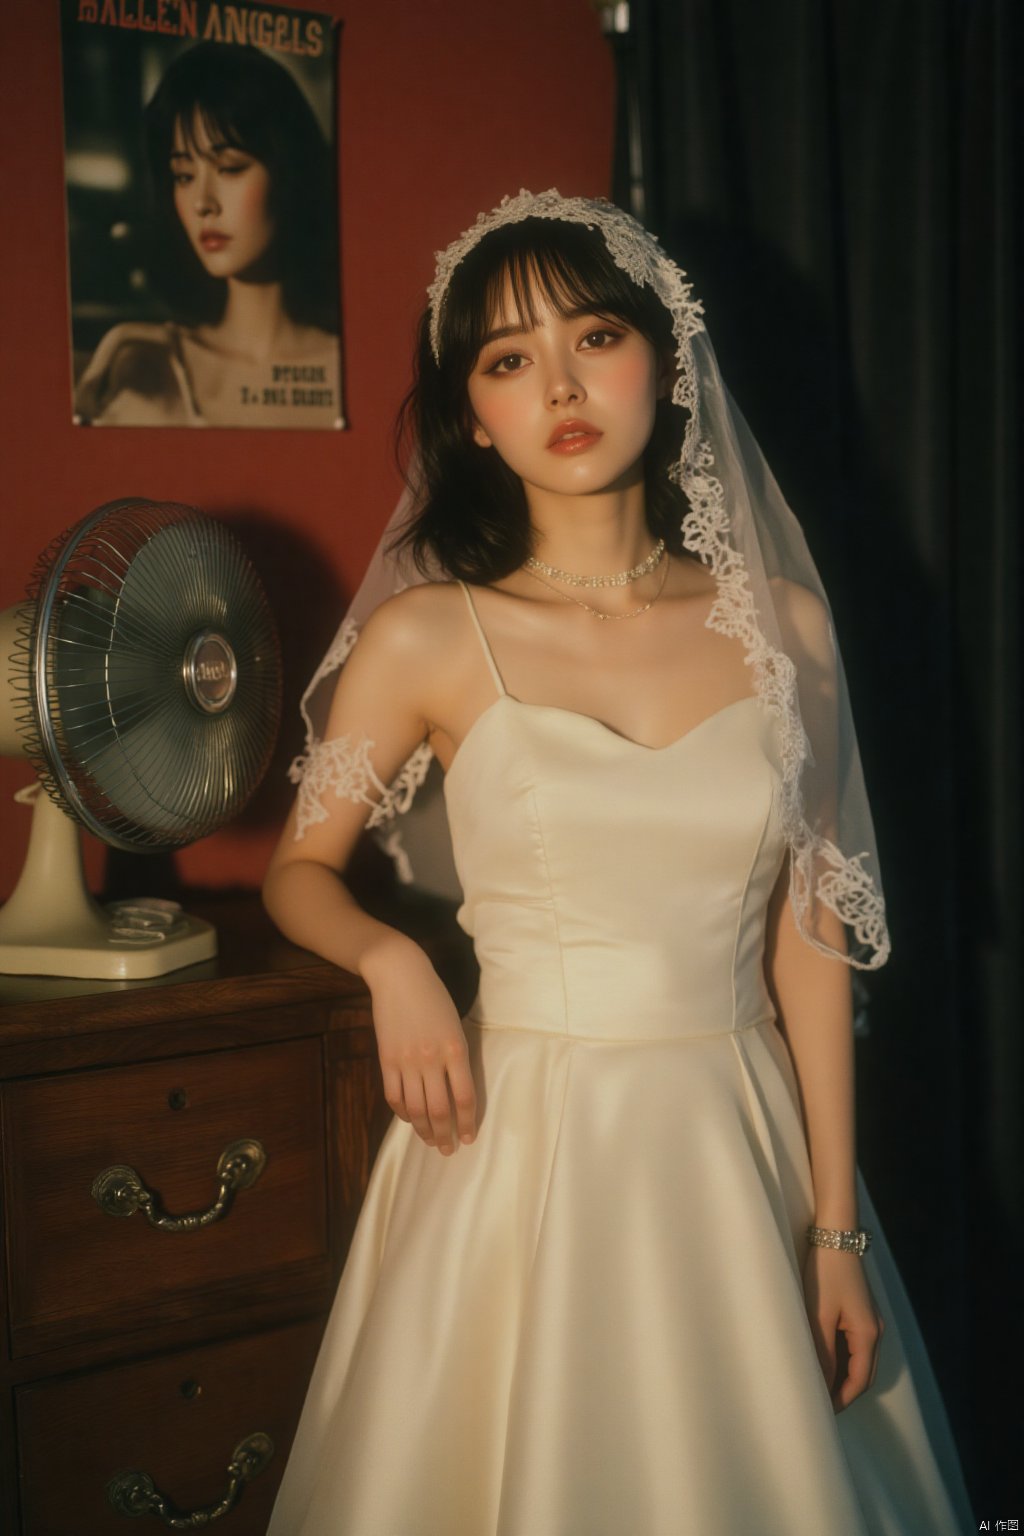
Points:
x=846, y=1242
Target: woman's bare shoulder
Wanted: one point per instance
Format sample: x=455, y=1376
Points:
x=803, y=614
x=417, y=628
x=798, y=600
x=412, y=647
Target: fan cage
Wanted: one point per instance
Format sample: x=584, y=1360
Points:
x=102, y=694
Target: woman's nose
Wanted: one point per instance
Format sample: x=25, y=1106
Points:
x=564, y=388
x=204, y=192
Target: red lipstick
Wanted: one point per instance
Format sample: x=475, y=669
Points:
x=213, y=240
x=573, y=436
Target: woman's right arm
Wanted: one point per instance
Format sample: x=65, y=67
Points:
x=422, y=1045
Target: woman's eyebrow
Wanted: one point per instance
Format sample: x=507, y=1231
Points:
x=502, y=331
x=580, y=312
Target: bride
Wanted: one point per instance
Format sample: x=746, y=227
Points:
x=612, y=1272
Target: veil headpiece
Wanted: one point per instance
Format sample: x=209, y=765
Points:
x=769, y=597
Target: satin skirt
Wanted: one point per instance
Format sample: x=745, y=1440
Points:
x=591, y=1321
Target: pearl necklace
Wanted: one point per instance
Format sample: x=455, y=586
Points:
x=567, y=597
x=620, y=579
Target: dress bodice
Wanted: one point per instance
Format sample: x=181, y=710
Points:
x=607, y=883
x=599, y=1302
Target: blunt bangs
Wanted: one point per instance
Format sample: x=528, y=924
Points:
x=540, y=262
x=234, y=93
x=216, y=124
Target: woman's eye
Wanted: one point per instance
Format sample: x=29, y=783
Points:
x=234, y=169
x=181, y=178
x=596, y=341
x=511, y=363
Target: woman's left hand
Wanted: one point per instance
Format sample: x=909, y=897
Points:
x=845, y=1323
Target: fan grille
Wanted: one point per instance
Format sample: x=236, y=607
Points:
x=120, y=663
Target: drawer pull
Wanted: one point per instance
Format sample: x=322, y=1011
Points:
x=120, y=1192
x=134, y=1493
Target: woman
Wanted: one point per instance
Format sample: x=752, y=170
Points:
x=632, y=1294
x=243, y=251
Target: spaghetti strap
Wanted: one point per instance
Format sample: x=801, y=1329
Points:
x=488, y=653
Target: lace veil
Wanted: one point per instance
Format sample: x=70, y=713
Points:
x=769, y=597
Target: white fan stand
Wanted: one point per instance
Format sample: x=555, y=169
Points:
x=52, y=926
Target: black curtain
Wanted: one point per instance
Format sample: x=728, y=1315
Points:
x=838, y=179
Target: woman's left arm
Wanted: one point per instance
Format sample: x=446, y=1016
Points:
x=813, y=998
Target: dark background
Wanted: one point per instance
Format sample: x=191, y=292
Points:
x=840, y=181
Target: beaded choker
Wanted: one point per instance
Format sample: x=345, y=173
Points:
x=619, y=579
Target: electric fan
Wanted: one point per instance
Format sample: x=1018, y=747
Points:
x=144, y=686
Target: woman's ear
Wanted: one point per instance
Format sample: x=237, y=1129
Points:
x=480, y=436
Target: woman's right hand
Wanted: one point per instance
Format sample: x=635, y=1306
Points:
x=422, y=1045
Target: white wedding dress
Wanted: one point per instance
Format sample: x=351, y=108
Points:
x=590, y=1322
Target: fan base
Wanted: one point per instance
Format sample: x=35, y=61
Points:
x=106, y=956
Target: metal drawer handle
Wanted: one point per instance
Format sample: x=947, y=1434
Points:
x=134, y=1493
x=120, y=1192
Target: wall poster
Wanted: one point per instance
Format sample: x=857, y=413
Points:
x=199, y=167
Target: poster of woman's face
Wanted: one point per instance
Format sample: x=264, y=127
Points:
x=202, y=214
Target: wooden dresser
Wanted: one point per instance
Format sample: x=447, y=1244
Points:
x=183, y=1164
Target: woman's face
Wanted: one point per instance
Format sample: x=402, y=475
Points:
x=569, y=404
x=222, y=197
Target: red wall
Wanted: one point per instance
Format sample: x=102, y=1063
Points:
x=443, y=108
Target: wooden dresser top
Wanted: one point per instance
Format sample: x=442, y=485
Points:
x=254, y=966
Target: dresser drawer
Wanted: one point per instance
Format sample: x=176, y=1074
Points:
x=77, y=1271
x=177, y=1420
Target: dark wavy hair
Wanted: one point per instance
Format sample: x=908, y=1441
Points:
x=246, y=99
x=474, y=521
